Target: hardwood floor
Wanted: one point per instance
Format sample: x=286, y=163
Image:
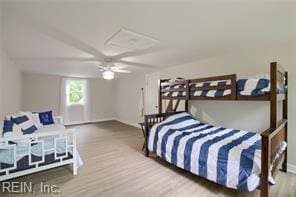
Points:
x=114, y=165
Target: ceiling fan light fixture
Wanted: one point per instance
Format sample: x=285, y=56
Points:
x=108, y=75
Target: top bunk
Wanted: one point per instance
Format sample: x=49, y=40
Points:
x=228, y=87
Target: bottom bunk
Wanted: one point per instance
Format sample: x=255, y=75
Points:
x=229, y=157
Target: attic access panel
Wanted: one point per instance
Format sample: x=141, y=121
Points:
x=131, y=40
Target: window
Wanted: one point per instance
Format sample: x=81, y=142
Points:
x=76, y=92
x=75, y=102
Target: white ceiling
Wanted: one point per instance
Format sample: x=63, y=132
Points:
x=55, y=37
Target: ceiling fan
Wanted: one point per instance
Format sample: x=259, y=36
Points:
x=108, y=69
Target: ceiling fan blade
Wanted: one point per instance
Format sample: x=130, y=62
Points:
x=135, y=64
x=120, y=70
x=56, y=59
x=101, y=67
x=61, y=36
x=134, y=53
x=119, y=65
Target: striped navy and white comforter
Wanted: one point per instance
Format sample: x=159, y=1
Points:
x=226, y=156
x=253, y=87
x=207, y=93
x=245, y=87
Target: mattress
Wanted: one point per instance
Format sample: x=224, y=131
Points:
x=229, y=157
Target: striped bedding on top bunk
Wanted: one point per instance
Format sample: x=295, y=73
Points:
x=245, y=87
x=256, y=87
x=226, y=156
x=210, y=93
x=207, y=93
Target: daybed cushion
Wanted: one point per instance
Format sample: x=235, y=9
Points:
x=52, y=127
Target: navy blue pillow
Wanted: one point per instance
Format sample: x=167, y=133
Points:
x=7, y=126
x=20, y=119
x=30, y=130
x=46, y=118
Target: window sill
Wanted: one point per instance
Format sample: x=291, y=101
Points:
x=76, y=105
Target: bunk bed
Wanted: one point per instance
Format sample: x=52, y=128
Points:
x=270, y=143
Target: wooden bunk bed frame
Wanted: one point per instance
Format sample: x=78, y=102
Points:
x=271, y=138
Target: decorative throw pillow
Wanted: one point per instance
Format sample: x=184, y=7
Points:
x=7, y=126
x=25, y=123
x=46, y=118
x=34, y=117
x=16, y=129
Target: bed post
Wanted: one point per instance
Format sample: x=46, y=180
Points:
x=75, y=167
x=233, y=87
x=265, y=152
x=265, y=160
x=187, y=95
x=273, y=95
x=146, y=136
x=159, y=97
x=285, y=116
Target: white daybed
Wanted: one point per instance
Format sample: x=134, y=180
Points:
x=48, y=147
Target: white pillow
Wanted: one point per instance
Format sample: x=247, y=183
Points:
x=18, y=114
x=7, y=118
x=34, y=118
x=26, y=124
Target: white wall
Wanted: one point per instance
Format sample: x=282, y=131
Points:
x=10, y=82
x=10, y=87
x=128, y=98
x=42, y=92
x=103, y=99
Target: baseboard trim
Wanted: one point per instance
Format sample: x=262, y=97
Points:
x=102, y=120
x=128, y=123
x=89, y=122
x=291, y=168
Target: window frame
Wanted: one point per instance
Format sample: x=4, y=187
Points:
x=68, y=84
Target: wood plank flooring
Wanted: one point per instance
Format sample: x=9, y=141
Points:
x=114, y=165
